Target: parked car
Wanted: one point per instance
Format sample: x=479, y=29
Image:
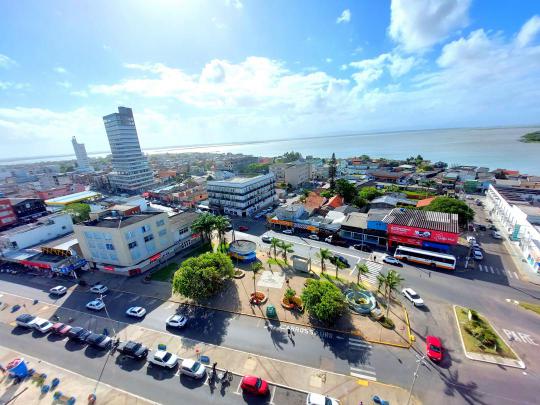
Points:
x=493, y=228
x=434, y=349
x=42, y=325
x=164, y=358
x=266, y=238
x=176, y=321
x=78, y=333
x=288, y=231
x=136, y=312
x=477, y=254
x=58, y=290
x=133, y=349
x=318, y=399
x=496, y=235
x=412, y=296
x=192, y=368
x=313, y=236
x=243, y=228
x=254, y=385
x=60, y=328
x=339, y=258
x=99, y=289
x=363, y=248
x=482, y=227
x=25, y=320
x=392, y=260
x=476, y=246
x=98, y=340
x=471, y=239
x=96, y=305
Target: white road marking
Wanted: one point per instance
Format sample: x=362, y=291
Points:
x=363, y=374
x=519, y=337
x=492, y=271
x=515, y=275
x=272, y=396
x=238, y=388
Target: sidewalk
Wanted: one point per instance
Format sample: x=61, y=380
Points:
x=71, y=385
x=348, y=389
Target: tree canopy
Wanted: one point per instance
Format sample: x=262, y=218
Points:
x=203, y=276
x=79, y=212
x=346, y=190
x=289, y=157
x=452, y=206
x=369, y=193
x=323, y=300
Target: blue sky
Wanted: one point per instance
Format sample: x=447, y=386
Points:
x=222, y=70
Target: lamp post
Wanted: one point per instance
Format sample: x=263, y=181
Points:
x=419, y=361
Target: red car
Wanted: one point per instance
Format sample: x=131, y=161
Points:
x=61, y=328
x=243, y=228
x=434, y=348
x=254, y=385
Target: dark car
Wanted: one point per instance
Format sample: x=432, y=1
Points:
x=363, y=248
x=243, y=228
x=340, y=259
x=98, y=340
x=493, y=228
x=133, y=349
x=25, y=320
x=482, y=227
x=78, y=333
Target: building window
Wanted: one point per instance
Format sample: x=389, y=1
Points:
x=145, y=228
x=132, y=245
x=107, y=236
x=148, y=238
x=109, y=246
x=161, y=222
x=129, y=235
x=163, y=232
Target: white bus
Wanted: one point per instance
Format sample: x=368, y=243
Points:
x=441, y=260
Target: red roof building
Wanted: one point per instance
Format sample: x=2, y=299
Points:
x=335, y=201
x=425, y=202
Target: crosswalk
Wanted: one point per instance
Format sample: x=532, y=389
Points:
x=498, y=272
x=374, y=270
x=365, y=372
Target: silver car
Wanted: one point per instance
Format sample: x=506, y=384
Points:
x=192, y=368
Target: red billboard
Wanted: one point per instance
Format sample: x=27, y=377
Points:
x=405, y=240
x=422, y=234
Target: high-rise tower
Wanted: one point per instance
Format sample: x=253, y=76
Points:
x=131, y=171
x=83, y=162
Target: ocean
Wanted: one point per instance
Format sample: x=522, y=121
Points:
x=490, y=147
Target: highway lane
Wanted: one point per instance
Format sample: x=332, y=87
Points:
x=154, y=383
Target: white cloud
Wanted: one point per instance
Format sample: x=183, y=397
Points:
x=237, y=4
x=65, y=84
x=345, y=17
x=529, y=31
x=13, y=86
x=328, y=60
x=60, y=70
x=6, y=61
x=419, y=24
x=344, y=67
x=79, y=93
x=219, y=25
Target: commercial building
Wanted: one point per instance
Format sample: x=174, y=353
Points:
x=242, y=196
x=133, y=244
x=355, y=227
x=518, y=210
x=83, y=163
x=131, y=171
x=83, y=196
x=294, y=173
x=28, y=209
x=7, y=214
x=425, y=229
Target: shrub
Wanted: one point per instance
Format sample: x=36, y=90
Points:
x=323, y=300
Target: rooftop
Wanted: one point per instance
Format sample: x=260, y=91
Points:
x=72, y=198
x=356, y=220
x=437, y=221
x=27, y=227
x=239, y=181
x=119, y=221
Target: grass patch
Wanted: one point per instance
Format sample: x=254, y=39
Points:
x=472, y=333
x=165, y=273
x=530, y=307
x=223, y=247
x=331, y=278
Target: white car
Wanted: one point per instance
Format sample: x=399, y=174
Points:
x=192, y=368
x=96, y=305
x=42, y=325
x=318, y=399
x=496, y=235
x=136, y=312
x=412, y=296
x=176, y=321
x=313, y=236
x=477, y=254
x=164, y=358
x=471, y=239
x=99, y=289
x=392, y=260
x=476, y=245
x=266, y=238
x=58, y=290
x=288, y=231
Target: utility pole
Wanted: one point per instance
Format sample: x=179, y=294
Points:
x=419, y=362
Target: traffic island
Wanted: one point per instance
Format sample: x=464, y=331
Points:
x=481, y=342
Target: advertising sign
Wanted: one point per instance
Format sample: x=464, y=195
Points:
x=423, y=234
x=405, y=240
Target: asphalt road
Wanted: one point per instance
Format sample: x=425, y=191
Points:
x=151, y=382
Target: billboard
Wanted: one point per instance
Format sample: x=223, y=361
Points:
x=423, y=234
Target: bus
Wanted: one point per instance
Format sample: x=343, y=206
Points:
x=441, y=260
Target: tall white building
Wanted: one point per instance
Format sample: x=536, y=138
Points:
x=131, y=171
x=83, y=162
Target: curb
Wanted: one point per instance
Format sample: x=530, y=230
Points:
x=522, y=364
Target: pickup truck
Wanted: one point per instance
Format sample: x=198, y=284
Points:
x=133, y=349
x=333, y=240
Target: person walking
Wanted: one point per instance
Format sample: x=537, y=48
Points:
x=289, y=332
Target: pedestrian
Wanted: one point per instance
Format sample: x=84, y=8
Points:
x=2, y=368
x=429, y=274
x=289, y=332
x=374, y=258
x=214, y=367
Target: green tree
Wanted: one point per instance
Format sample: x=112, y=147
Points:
x=452, y=206
x=323, y=255
x=360, y=202
x=346, y=190
x=327, y=193
x=255, y=268
x=220, y=225
x=369, y=193
x=274, y=244
x=323, y=300
x=362, y=270
x=79, y=212
x=392, y=280
x=291, y=156
x=338, y=264
x=285, y=247
x=332, y=171
x=203, y=276
x=204, y=224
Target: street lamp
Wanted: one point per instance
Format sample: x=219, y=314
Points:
x=419, y=361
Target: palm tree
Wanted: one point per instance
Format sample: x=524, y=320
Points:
x=323, y=255
x=381, y=281
x=274, y=244
x=286, y=247
x=204, y=224
x=255, y=268
x=220, y=225
x=339, y=265
x=393, y=280
x=362, y=270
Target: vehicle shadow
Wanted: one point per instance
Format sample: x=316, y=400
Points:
x=74, y=345
x=53, y=337
x=254, y=399
x=128, y=364
x=94, y=353
x=19, y=331
x=192, y=383
x=161, y=373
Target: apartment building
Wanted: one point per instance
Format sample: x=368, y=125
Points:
x=7, y=214
x=242, y=196
x=293, y=173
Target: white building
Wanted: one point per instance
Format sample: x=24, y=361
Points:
x=131, y=170
x=293, y=173
x=518, y=210
x=83, y=162
x=242, y=196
